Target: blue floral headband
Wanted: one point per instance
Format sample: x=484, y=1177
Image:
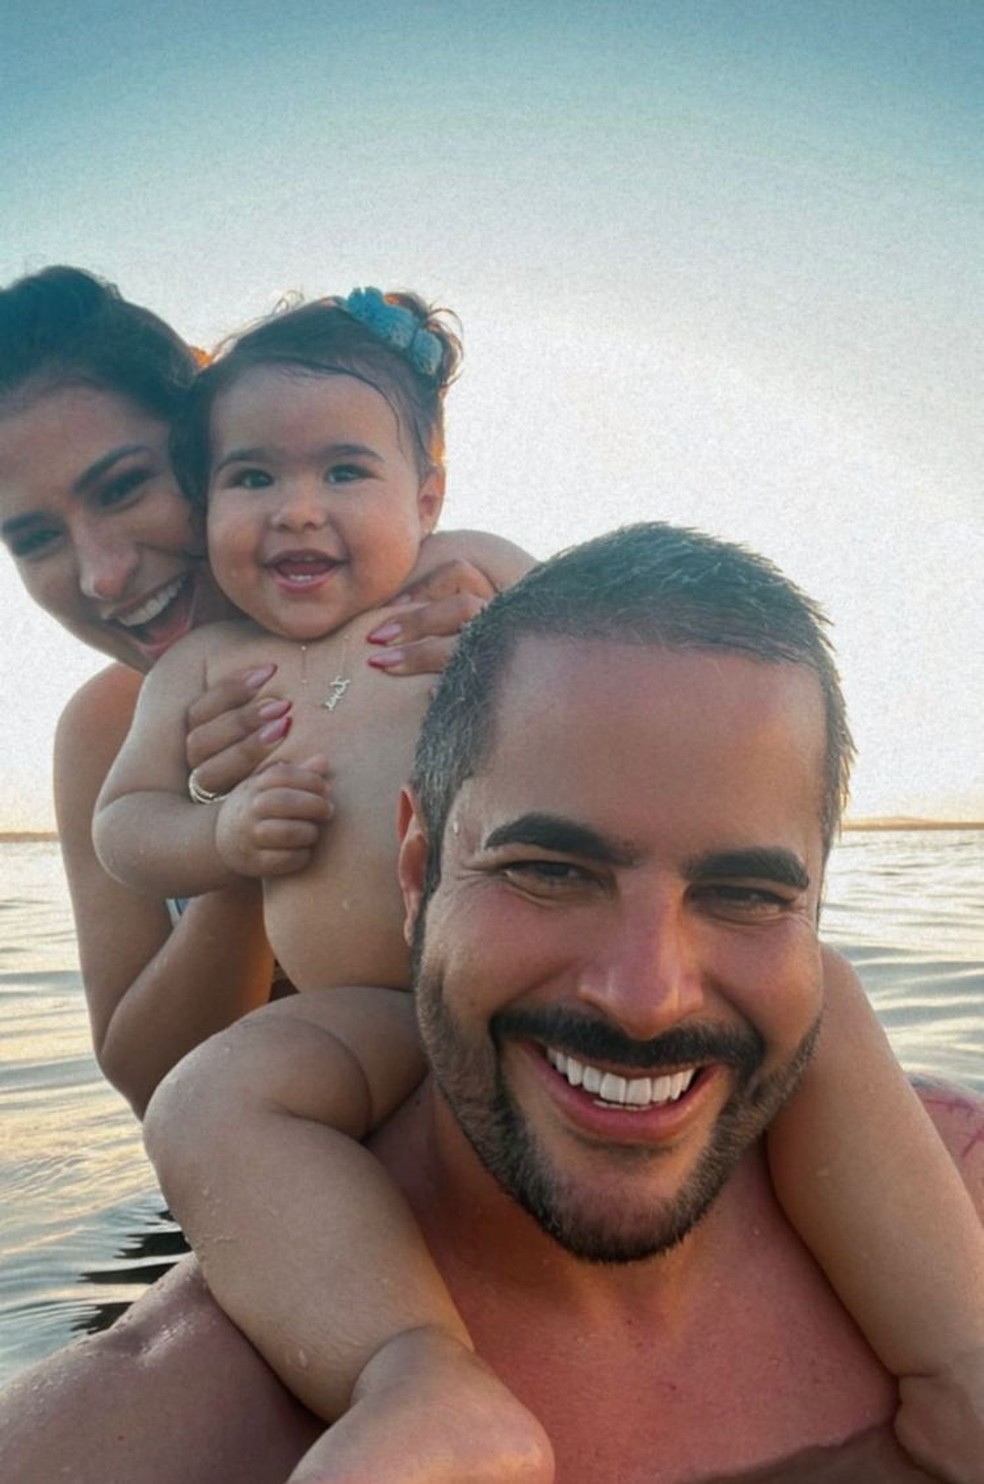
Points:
x=398, y=327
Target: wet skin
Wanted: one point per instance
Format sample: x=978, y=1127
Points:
x=101, y=535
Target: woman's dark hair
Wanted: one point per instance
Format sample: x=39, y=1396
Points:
x=64, y=327
x=325, y=338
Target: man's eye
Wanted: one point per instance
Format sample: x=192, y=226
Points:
x=117, y=491
x=744, y=901
x=545, y=877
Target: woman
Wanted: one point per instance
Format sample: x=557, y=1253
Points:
x=105, y=542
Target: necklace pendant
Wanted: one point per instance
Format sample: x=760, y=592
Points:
x=338, y=688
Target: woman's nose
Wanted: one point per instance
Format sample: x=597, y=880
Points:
x=107, y=564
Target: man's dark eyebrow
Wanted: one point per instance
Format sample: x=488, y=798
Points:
x=565, y=836
x=102, y=466
x=758, y=862
x=330, y=451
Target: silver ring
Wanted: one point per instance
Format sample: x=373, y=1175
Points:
x=199, y=795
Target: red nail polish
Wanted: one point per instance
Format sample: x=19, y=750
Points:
x=386, y=659
x=275, y=731
x=259, y=677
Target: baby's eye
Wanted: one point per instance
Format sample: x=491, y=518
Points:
x=118, y=490
x=250, y=479
x=346, y=473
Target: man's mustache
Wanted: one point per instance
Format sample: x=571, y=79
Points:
x=589, y=1038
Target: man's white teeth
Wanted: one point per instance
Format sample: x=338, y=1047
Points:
x=154, y=605
x=626, y=1092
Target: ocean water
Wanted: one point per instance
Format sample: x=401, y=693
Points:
x=82, y=1225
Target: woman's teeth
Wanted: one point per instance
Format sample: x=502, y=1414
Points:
x=153, y=606
x=626, y=1092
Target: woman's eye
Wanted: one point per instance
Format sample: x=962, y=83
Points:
x=117, y=491
x=36, y=543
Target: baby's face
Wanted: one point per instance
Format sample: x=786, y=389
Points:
x=316, y=509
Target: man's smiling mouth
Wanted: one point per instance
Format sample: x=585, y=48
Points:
x=634, y=1093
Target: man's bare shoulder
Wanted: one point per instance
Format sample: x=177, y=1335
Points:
x=959, y=1118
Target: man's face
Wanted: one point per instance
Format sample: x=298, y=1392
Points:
x=620, y=977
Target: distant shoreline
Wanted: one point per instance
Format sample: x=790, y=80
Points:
x=902, y=823
x=849, y=827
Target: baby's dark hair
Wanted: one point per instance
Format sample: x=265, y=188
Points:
x=65, y=327
x=395, y=343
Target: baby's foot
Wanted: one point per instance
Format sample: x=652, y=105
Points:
x=426, y=1410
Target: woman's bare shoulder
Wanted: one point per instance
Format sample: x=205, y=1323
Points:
x=101, y=708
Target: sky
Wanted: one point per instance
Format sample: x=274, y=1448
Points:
x=716, y=261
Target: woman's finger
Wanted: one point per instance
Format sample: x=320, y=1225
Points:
x=439, y=618
x=424, y=657
x=224, y=762
x=211, y=738
x=229, y=694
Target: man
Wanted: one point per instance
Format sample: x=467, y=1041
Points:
x=624, y=796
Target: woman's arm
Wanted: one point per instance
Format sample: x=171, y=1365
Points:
x=153, y=992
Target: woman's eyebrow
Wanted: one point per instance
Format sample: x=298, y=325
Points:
x=565, y=836
x=102, y=466
x=758, y=862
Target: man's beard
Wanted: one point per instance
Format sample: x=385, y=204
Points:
x=470, y=1076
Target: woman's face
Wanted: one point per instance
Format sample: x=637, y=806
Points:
x=102, y=537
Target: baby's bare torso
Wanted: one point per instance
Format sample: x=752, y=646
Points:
x=340, y=920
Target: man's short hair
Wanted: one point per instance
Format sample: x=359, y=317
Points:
x=651, y=584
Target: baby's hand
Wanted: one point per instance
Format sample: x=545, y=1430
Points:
x=271, y=823
x=940, y=1421
x=425, y=1407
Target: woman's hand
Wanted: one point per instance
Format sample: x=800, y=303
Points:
x=420, y=636
x=231, y=732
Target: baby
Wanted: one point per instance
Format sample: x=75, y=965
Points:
x=318, y=439
x=316, y=443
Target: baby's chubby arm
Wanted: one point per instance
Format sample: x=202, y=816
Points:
x=869, y=1185
x=149, y=834
x=300, y=1232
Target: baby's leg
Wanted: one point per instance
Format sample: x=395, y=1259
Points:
x=426, y=1410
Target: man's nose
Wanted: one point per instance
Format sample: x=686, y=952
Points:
x=646, y=974
x=106, y=564
x=303, y=506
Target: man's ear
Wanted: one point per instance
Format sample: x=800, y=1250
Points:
x=430, y=498
x=412, y=860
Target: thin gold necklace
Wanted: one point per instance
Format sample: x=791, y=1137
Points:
x=336, y=686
